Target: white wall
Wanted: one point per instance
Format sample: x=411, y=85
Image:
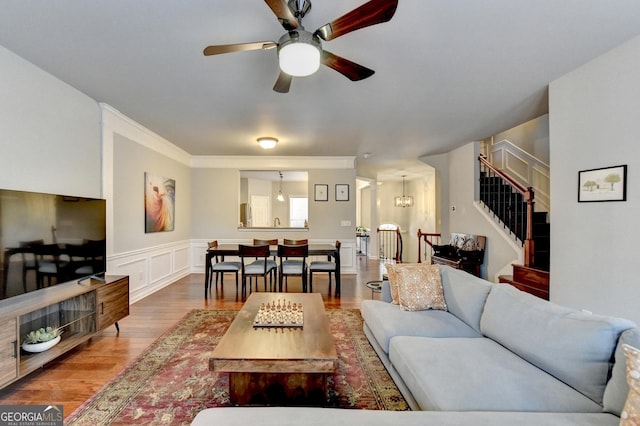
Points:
x=532, y=137
x=216, y=192
x=440, y=164
x=152, y=260
x=50, y=132
x=594, y=122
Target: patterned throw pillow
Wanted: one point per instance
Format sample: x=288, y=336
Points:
x=631, y=413
x=418, y=286
x=394, y=277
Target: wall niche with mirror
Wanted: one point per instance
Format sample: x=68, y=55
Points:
x=273, y=199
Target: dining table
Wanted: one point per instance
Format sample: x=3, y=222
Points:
x=321, y=249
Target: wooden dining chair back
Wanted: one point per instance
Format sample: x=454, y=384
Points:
x=324, y=266
x=271, y=262
x=255, y=263
x=219, y=267
x=293, y=262
x=257, y=242
x=288, y=242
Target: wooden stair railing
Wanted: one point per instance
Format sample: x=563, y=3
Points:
x=424, y=240
x=510, y=202
x=390, y=243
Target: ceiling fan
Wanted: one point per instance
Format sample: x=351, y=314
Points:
x=300, y=52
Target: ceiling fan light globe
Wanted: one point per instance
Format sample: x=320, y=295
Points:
x=299, y=53
x=299, y=59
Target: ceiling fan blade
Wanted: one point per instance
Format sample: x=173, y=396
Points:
x=283, y=13
x=351, y=70
x=370, y=13
x=228, y=48
x=283, y=83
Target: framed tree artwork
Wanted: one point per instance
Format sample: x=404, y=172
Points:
x=604, y=184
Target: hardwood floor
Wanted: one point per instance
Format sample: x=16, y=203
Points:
x=75, y=377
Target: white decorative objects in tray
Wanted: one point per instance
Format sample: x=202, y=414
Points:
x=42, y=346
x=279, y=314
x=42, y=339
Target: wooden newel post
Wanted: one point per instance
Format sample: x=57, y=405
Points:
x=528, y=242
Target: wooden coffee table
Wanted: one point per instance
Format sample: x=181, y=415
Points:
x=277, y=365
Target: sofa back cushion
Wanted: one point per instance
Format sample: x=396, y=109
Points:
x=464, y=295
x=573, y=346
x=617, y=389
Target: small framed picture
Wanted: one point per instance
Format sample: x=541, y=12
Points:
x=342, y=192
x=605, y=184
x=321, y=192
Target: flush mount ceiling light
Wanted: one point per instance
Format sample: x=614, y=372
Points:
x=280, y=196
x=267, y=142
x=299, y=53
x=404, y=200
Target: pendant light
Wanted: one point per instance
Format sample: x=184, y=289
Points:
x=404, y=200
x=280, y=196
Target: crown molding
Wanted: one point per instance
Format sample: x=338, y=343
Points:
x=116, y=122
x=113, y=121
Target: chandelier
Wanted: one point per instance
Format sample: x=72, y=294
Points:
x=403, y=200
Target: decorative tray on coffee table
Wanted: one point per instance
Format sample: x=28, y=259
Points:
x=279, y=314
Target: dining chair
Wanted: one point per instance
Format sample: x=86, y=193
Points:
x=219, y=268
x=271, y=262
x=293, y=262
x=288, y=242
x=260, y=267
x=324, y=266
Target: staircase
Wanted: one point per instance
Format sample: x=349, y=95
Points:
x=512, y=205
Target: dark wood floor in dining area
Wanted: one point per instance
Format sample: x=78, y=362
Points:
x=75, y=377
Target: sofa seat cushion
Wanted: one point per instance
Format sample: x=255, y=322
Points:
x=386, y=320
x=308, y=416
x=463, y=374
x=574, y=346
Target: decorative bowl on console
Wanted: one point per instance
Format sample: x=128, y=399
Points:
x=42, y=339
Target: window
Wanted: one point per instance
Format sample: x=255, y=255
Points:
x=297, y=211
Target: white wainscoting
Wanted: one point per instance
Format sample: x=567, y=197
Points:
x=152, y=268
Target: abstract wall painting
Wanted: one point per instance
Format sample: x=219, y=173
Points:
x=159, y=203
x=604, y=184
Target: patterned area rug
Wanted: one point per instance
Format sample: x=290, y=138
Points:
x=170, y=382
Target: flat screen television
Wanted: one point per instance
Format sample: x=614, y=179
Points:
x=48, y=239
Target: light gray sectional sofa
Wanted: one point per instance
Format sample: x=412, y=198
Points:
x=496, y=356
